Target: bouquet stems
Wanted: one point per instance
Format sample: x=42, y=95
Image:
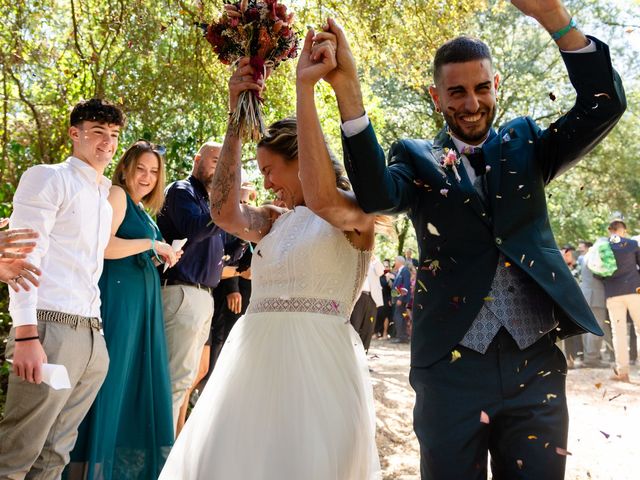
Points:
x=247, y=121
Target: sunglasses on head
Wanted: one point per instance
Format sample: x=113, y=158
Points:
x=159, y=149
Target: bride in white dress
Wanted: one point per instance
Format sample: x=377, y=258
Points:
x=290, y=397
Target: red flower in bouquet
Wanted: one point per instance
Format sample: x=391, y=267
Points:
x=262, y=31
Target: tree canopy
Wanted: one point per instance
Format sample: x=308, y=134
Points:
x=150, y=57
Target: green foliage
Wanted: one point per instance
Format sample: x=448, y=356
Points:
x=149, y=57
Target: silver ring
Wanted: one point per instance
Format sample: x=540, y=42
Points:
x=16, y=278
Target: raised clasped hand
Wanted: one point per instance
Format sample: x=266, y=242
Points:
x=345, y=71
x=317, y=58
x=242, y=79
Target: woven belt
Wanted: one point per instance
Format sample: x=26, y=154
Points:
x=75, y=321
x=199, y=286
x=296, y=304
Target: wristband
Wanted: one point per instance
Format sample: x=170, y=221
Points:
x=26, y=339
x=153, y=248
x=563, y=31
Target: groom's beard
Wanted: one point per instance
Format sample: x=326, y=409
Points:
x=472, y=136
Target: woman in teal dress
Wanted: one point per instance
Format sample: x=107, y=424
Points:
x=129, y=430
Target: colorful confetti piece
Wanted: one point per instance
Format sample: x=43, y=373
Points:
x=484, y=418
x=432, y=229
x=455, y=356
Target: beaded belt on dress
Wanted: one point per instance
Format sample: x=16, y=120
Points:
x=68, y=319
x=296, y=304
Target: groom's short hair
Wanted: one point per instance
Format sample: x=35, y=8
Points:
x=459, y=50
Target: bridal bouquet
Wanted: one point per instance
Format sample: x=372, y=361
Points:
x=262, y=31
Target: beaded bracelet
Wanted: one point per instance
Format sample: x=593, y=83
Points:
x=563, y=31
x=26, y=339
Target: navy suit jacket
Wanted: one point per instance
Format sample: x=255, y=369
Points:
x=458, y=265
x=403, y=280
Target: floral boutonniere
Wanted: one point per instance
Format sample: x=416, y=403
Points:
x=451, y=161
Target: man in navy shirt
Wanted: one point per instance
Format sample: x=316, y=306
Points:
x=186, y=292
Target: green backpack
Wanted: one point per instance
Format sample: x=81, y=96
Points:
x=600, y=258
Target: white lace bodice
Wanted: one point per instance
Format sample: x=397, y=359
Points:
x=305, y=264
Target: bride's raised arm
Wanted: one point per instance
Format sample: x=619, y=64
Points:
x=244, y=221
x=321, y=195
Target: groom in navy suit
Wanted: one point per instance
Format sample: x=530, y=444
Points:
x=493, y=292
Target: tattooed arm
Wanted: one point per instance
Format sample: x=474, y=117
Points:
x=244, y=221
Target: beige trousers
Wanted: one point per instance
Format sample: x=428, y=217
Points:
x=40, y=424
x=187, y=320
x=618, y=307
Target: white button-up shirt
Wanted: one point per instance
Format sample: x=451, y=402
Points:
x=67, y=205
x=372, y=280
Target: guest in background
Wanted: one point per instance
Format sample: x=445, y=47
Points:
x=569, y=256
x=408, y=255
x=187, y=289
x=384, y=311
x=364, y=312
x=409, y=317
x=572, y=346
x=593, y=289
x=622, y=290
x=15, y=270
x=129, y=429
x=633, y=342
x=401, y=294
x=231, y=296
x=59, y=322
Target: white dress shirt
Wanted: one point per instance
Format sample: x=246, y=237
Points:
x=67, y=205
x=372, y=280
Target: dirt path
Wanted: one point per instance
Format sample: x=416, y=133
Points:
x=603, y=432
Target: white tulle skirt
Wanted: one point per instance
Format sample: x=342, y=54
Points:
x=289, y=399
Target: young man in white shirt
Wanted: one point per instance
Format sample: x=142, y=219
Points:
x=59, y=322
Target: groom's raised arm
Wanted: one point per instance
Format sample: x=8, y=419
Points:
x=600, y=98
x=378, y=188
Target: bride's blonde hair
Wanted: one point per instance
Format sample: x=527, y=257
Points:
x=282, y=138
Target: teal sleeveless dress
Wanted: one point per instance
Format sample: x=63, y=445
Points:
x=128, y=432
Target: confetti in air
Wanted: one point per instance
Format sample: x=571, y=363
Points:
x=562, y=451
x=432, y=229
